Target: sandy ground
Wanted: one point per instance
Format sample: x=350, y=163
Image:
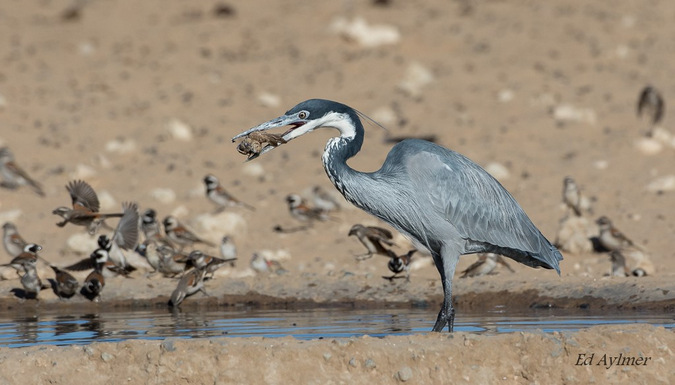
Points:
x=140, y=99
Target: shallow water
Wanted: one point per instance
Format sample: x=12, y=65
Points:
x=53, y=328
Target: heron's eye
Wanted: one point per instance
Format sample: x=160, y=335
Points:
x=303, y=114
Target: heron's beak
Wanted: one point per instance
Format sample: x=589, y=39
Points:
x=286, y=120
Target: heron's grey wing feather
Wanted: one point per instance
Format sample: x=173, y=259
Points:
x=477, y=205
x=126, y=232
x=83, y=194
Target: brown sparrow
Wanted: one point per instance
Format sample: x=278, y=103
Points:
x=11, y=239
x=485, y=265
x=323, y=200
x=260, y=264
x=13, y=176
x=108, y=267
x=610, y=237
x=65, y=284
x=149, y=225
x=95, y=281
x=619, y=268
x=372, y=238
x=180, y=235
x=125, y=236
x=30, y=280
x=399, y=263
x=85, y=207
x=218, y=195
x=190, y=283
x=208, y=263
x=28, y=255
x=172, y=262
x=650, y=103
x=303, y=213
x=572, y=197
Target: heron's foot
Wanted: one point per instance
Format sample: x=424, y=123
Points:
x=445, y=317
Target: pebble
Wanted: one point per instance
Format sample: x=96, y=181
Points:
x=365, y=35
x=106, y=356
x=121, y=146
x=405, y=374
x=416, y=78
x=106, y=200
x=81, y=243
x=353, y=363
x=267, y=99
x=88, y=350
x=664, y=183
x=163, y=195
x=10, y=215
x=498, y=170
x=327, y=356
x=168, y=346
x=648, y=146
x=213, y=226
x=179, y=130
x=82, y=171
x=253, y=169
x=569, y=113
x=369, y=364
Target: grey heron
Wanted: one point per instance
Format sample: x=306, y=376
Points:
x=438, y=198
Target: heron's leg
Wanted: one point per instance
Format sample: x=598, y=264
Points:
x=446, y=265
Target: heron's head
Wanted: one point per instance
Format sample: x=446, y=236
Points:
x=308, y=116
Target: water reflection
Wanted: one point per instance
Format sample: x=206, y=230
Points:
x=65, y=329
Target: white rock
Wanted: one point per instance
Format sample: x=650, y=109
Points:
x=622, y=51
x=505, y=95
x=416, y=78
x=179, y=130
x=365, y=35
x=163, y=195
x=10, y=215
x=212, y=227
x=269, y=100
x=275, y=255
x=3, y=101
x=86, y=48
x=107, y=201
x=664, y=183
x=664, y=136
x=82, y=243
x=82, y=171
x=418, y=262
x=601, y=164
x=384, y=115
x=569, y=113
x=121, y=146
x=498, y=170
x=180, y=212
x=253, y=169
x=574, y=235
x=648, y=146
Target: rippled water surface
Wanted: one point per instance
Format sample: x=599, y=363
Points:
x=54, y=328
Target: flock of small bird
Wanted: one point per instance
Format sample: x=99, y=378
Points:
x=166, y=255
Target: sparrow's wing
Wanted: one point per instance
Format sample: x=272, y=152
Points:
x=380, y=234
x=126, y=232
x=84, y=264
x=83, y=194
x=15, y=169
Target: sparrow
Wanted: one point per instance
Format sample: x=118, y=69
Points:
x=95, y=281
x=179, y=235
x=228, y=250
x=172, y=262
x=125, y=236
x=28, y=255
x=372, y=238
x=572, y=197
x=485, y=265
x=13, y=176
x=203, y=261
x=66, y=285
x=611, y=238
x=30, y=280
x=149, y=225
x=399, y=263
x=11, y=239
x=190, y=283
x=260, y=264
x=303, y=213
x=85, y=208
x=618, y=264
x=108, y=267
x=651, y=104
x=323, y=200
x=218, y=195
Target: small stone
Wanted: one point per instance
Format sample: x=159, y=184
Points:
x=569, y=113
x=353, y=362
x=664, y=183
x=88, y=350
x=253, y=169
x=416, y=78
x=81, y=243
x=179, y=130
x=168, y=345
x=498, y=170
x=327, y=356
x=121, y=146
x=369, y=364
x=649, y=146
x=269, y=100
x=82, y=171
x=163, y=195
x=106, y=200
x=405, y=374
x=106, y=356
x=365, y=35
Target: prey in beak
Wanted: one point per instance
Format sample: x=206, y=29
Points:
x=257, y=142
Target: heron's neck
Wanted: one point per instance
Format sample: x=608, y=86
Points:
x=338, y=150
